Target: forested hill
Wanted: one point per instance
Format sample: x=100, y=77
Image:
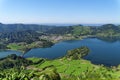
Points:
x=58, y=29
x=23, y=27
x=107, y=30
x=20, y=36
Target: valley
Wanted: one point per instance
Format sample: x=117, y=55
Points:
x=60, y=53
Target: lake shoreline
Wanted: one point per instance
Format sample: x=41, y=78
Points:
x=96, y=46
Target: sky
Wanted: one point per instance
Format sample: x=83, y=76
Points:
x=60, y=11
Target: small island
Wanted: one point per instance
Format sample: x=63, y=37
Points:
x=78, y=53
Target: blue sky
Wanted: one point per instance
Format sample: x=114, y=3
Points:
x=60, y=11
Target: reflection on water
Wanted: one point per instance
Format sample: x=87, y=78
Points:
x=109, y=39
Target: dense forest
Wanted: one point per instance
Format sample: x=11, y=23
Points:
x=107, y=29
x=75, y=29
x=23, y=27
x=22, y=40
x=20, y=36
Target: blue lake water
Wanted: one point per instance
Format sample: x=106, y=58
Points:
x=101, y=52
x=4, y=53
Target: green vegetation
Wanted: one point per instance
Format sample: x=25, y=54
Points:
x=77, y=53
x=81, y=69
x=70, y=67
x=25, y=37
x=14, y=46
x=21, y=36
x=13, y=61
x=22, y=41
x=26, y=74
x=108, y=30
x=24, y=27
x=18, y=68
x=60, y=30
x=81, y=30
x=24, y=47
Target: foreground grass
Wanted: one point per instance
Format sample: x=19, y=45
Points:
x=70, y=67
x=80, y=69
x=18, y=68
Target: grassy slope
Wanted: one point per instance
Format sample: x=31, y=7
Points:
x=14, y=46
x=21, y=47
x=67, y=68
x=24, y=47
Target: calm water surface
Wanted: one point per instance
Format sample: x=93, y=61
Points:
x=102, y=52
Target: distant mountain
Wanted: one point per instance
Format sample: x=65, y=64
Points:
x=76, y=29
x=60, y=30
x=109, y=28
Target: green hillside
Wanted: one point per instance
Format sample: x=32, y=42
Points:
x=65, y=68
